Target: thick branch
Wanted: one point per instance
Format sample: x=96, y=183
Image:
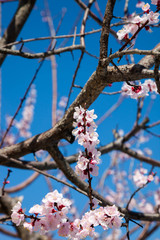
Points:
x=17, y=23
x=71, y=176
x=149, y=60
x=62, y=130
x=106, y=29
x=6, y=204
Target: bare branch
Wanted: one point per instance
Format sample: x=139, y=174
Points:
x=106, y=29
x=23, y=11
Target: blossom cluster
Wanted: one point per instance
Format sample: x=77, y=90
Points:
x=47, y=216
x=140, y=90
x=23, y=125
x=135, y=21
x=85, y=132
x=60, y=111
x=52, y=215
x=27, y=115
x=140, y=177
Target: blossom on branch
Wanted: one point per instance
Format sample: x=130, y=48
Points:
x=17, y=215
x=52, y=215
x=85, y=132
x=140, y=177
x=140, y=90
x=136, y=22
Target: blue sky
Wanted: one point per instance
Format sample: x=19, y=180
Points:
x=18, y=72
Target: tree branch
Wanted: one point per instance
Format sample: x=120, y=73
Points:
x=23, y=11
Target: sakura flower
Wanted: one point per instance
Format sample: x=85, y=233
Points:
x=27, y=115
x=145, y=206
x=137, y=20
x=135, y=92
x=152, y=87
x=146, y=7
x=153, y=17
x=156, y=2
x=28, y=226
x=63, y=101
x=140, y=177
x=64, y=229
x=82, y=162
x=140, y=4
x=36, y=209
x=17, y=215
x=78, y=112
x=85, y=132
x=93, y=169
x=123, y=33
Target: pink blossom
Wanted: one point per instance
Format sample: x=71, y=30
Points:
x=146, y=7
x=140, y=177
x=156, y=2
x=85, y=132
x=140, y=4
x=145, y=206
x=27, y=115
x=135, y=92
x=82, y=162
x=63, y=101
x=152, y=87
x=150, y=178
x=28, y=226
x=17, y=215
x=64, y=229
x=153, y=17
x=36, y=209
x=123, y=33
x=93, y=169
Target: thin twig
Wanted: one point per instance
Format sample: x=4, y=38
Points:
x=73, y=80
x=51, y=37
x=6, y=181
x=138, y=189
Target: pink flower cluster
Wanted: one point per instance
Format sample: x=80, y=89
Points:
x=17, y=214
x=51, y=215
x=85, y=132
x=135, y=21
x=60, y=111
x=27, y=115
x=139, y=91
x=106, y=217
x=46, y=217
x=140, y=177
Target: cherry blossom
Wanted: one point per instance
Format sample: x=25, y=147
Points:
x=17, y=215
x=146, y=7
x=60, y=111
x=23, y=125
x=152, y=87
x=135, y=21
x=156, y=2
x=51, y=216
x=134, y=92
x=140, y=90
x=85, y=132
x=140, y=4
x=140, y=177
